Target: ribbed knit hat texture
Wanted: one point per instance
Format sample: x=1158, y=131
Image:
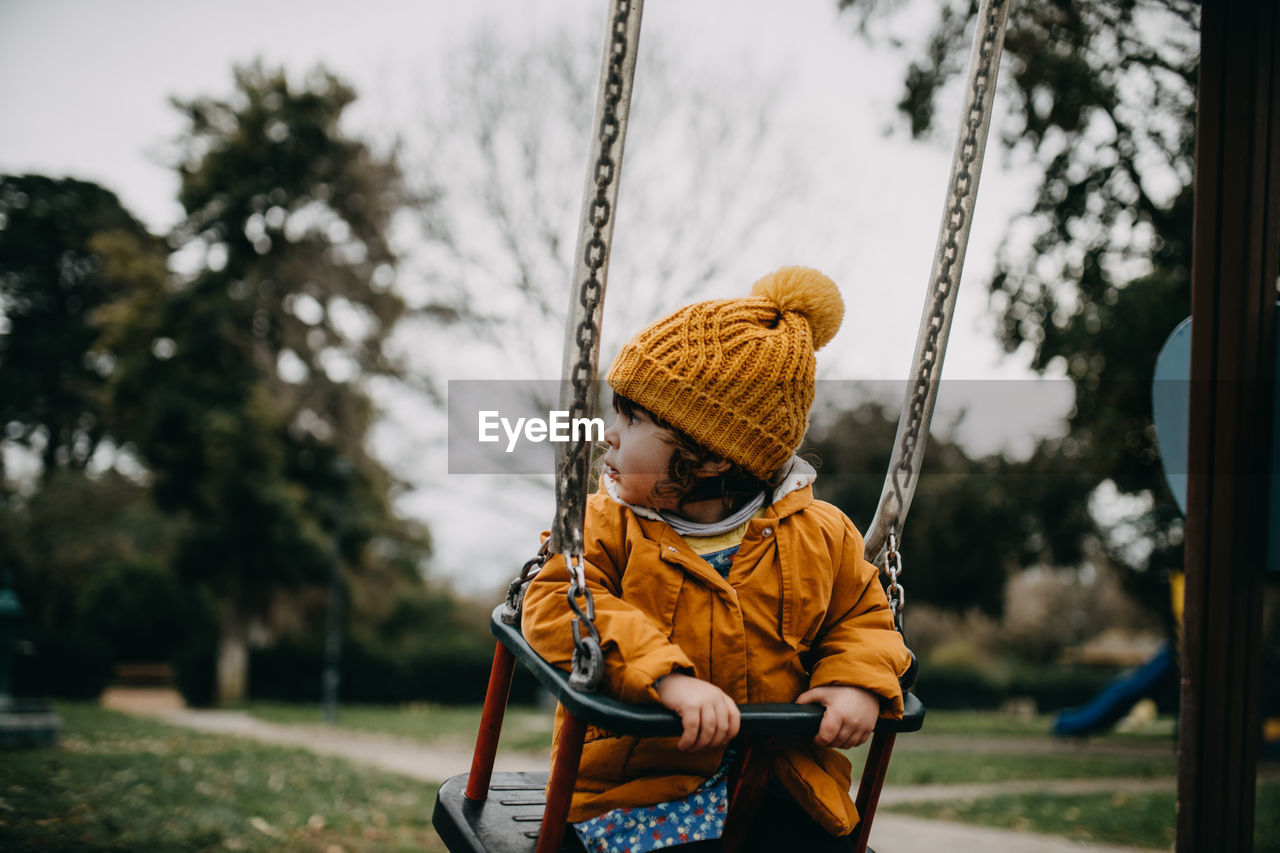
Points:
x=737, y=375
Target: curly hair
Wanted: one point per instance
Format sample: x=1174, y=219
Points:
x=734, y=487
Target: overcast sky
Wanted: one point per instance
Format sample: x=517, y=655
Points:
x=85, y=85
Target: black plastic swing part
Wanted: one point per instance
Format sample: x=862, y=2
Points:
x=508, y=821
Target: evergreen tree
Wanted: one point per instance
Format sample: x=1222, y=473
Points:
x=54, y=238
x=243, y=389
x=1100, y=96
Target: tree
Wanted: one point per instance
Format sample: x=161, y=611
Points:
x=970, y=525
x=73, y=534
x=707, y=176
x=242, y=380
x=53, y=235
x=1100, y=97
x=711, y=191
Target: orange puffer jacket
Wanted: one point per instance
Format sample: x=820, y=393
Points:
x=800, y=608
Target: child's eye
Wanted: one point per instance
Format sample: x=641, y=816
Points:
x=633, y=419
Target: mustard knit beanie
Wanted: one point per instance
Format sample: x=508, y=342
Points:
x=736, y=375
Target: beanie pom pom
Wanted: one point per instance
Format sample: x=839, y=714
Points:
x=805, y=291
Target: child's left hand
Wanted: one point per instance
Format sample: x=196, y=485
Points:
x=850, y=717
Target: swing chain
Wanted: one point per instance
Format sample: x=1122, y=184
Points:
x=959, y=213
x=578, y=392
x=598, y=214
x=515, y=591
x=588, y=656
x=893, y=568
x=945, y=274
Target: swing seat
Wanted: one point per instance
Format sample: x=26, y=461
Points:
x=508, y=821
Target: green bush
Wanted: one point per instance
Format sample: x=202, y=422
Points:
x=139, y=609
x=291, y=671
x=1056, y=687
x=418, y=644
x=958, y=687
x=968, y=687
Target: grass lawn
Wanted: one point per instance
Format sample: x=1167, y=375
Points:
x=121, y=783
x=975, y=746
x=1158, y=730
x=1141, y=819
x=1138, y=819
x=927, y=767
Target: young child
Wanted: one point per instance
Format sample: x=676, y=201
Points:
x=718, y=580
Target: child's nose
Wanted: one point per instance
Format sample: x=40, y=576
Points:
x=611, y=433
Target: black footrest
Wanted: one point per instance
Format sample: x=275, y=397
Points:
x=507, y=822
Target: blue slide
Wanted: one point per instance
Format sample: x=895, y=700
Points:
x=1121, y=694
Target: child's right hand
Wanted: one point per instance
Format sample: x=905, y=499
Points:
x=710, y=717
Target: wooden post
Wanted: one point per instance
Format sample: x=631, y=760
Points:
x=1234, y=266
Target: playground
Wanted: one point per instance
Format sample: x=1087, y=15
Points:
x=264, y=585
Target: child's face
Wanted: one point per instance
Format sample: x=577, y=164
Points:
x=638, y=460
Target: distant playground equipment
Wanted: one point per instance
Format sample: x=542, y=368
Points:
x=1121, y=694
x=1170, y=403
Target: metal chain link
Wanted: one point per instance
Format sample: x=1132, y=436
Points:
x=582, y=345
x=935, y=325
x=588, y=655
x=514, y=604
x=893, y=568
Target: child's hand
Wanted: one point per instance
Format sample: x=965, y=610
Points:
x=710, y=717
x=850, y=716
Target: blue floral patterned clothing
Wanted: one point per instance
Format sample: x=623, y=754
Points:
x=697, y=817
x=721, y=560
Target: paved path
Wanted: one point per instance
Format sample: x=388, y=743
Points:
x=891, y=833
x=400, y=755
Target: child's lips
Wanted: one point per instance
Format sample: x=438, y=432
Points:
x=611, y=472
